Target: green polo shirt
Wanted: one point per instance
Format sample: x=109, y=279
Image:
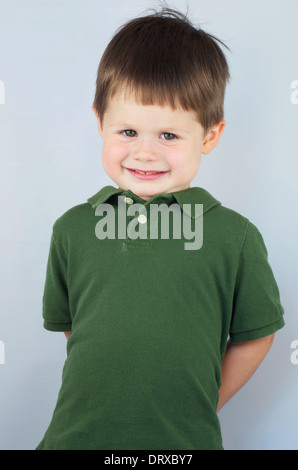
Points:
x=150, y=318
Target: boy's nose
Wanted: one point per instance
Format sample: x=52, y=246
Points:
x=145, y=151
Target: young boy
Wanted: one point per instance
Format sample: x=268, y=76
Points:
x=162, y=333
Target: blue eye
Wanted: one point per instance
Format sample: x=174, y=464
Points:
x=169, y=136
x=129, y=133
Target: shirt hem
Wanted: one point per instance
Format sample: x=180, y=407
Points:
x=242, y=337
x=50, y=326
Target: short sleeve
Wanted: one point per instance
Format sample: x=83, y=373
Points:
x=257, y=311
x=56, y=312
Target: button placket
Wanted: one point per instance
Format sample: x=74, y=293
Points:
x=138, y=218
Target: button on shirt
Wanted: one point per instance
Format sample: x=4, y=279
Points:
x=128, y=200
x=150, y=319
x=142, y=219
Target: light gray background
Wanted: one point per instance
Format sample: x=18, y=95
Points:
x=50, y=161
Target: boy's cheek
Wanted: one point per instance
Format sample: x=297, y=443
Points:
x=111, y=161
x=114, y=150
x=107, y=163
x=111, y=152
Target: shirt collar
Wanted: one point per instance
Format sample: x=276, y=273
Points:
x=186, y=198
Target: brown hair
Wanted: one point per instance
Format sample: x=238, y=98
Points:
x=163, y=59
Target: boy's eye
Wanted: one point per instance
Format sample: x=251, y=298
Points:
x=168, y=136
x=129, y=133
x=165, y=135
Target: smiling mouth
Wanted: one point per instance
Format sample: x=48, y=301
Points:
x=141, y=172
x=146, y=175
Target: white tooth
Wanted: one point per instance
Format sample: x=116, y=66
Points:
x=147, y=172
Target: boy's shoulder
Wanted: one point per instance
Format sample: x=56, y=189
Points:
x=80, y=213
x=230, y=225
x=219, y=214
x=72, y=219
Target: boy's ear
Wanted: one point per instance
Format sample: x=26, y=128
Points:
x=98, y=121
x=213, y=135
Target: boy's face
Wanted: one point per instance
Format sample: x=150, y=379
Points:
x=152, y=149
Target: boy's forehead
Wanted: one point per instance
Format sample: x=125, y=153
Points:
x=128, y=106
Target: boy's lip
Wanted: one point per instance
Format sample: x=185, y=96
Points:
x=146, y=174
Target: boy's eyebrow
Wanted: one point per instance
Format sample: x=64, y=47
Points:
x=121, y=124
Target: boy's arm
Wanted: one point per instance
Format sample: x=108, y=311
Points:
x=67, y=334
x=239, y=363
